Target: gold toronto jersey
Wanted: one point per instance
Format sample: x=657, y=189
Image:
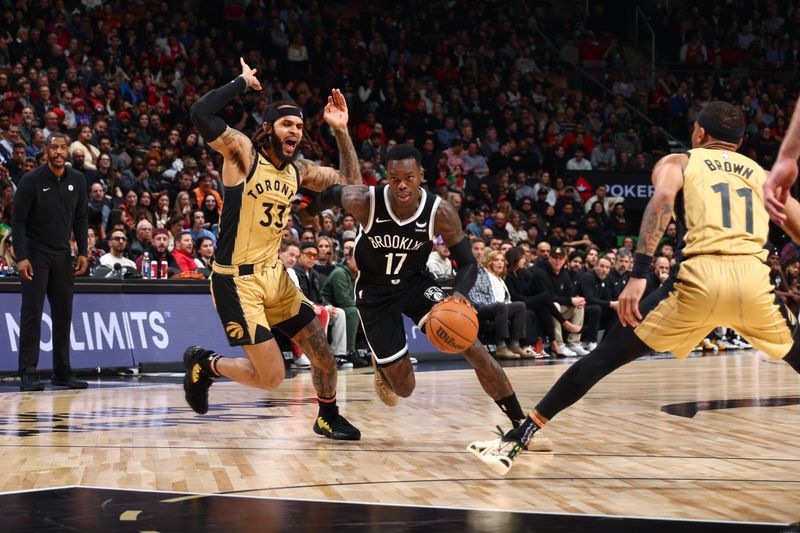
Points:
x=723, y=203
x=255, y=213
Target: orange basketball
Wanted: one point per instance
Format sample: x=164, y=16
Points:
x=452, y=327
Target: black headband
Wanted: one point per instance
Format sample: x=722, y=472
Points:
x=275, y=114
x=719, y=132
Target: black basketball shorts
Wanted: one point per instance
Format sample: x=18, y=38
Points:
x=381, y=308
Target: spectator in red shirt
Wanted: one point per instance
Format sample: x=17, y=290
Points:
x=184, y=252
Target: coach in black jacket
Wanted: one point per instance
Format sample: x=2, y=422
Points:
x=49, y=205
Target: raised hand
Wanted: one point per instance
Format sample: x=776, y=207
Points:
x=249, y=75
x=776, y=188
x=336, y=114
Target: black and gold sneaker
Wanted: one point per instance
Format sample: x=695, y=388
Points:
x=336, y=427
x=198, y=378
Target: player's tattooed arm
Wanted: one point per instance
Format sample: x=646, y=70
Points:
x=356, y=201
x=239, y=153
x=348, y=159
x=448, y=224
x=668, y=180
x=316, y=177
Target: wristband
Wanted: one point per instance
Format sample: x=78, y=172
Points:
x=641, y=265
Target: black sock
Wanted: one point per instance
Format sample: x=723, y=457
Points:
x=327, y=407
x=510, y=406
x=209, y=363
x=524, y=432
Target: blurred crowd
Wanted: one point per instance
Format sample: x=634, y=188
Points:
x=488, y=91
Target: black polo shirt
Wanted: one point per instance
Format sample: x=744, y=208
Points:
x=47, y=209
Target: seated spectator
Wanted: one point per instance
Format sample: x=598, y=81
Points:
x=603, y=156
x=117, y=244
x=579, y=162
x=199, y=225
x=142, y=241
x=184, y=252
x=601, y=195
x=594, y=286
x=658, y=276
x=83, y=142
x=550, y=277
x=516, y=230
x=439, y=263
x=162, y=210
x=520, y=286
x=98, y=203
x=476, y=225
x=491, y=299
x=475, y=162
x=326, y=261
x=211, y=210
x=308, y=282
x=158, y=251
x=205, y=253
x=93, y=252
x=339, y=291
x=204, y=188
x=619, y=276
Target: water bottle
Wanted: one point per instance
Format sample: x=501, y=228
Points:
x=146, y=266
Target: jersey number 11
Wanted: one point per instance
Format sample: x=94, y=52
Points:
x=745, y=192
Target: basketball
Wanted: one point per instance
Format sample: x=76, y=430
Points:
x=452, y=326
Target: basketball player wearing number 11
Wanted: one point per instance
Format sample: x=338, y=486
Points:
x=401, y=221
x=716, y=196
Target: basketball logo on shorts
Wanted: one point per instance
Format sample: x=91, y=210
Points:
x=434, y=294
x=234, y=330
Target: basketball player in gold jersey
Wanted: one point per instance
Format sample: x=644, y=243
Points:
x=251, y=290
x=716, y=194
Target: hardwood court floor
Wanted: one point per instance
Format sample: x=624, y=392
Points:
x=619, y=451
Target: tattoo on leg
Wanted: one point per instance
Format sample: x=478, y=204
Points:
x=314, y=342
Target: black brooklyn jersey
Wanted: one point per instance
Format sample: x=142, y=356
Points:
x=389, y=248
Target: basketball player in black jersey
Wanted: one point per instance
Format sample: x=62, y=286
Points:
x=252, y=291
x=401, y=221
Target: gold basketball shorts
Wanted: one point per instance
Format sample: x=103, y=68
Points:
x=733, y=291
x=249, y=304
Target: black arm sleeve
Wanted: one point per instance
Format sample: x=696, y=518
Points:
x=203, y=112
x=467, y=272
x=319, y=201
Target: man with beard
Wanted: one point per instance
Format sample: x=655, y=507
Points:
x=158, y=252
x=252, y=292
x=49, y=204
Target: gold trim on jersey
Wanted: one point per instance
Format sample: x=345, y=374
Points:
x=262, y=208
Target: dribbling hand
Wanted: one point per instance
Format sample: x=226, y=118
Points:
x=249, y=75
x=458, y=297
